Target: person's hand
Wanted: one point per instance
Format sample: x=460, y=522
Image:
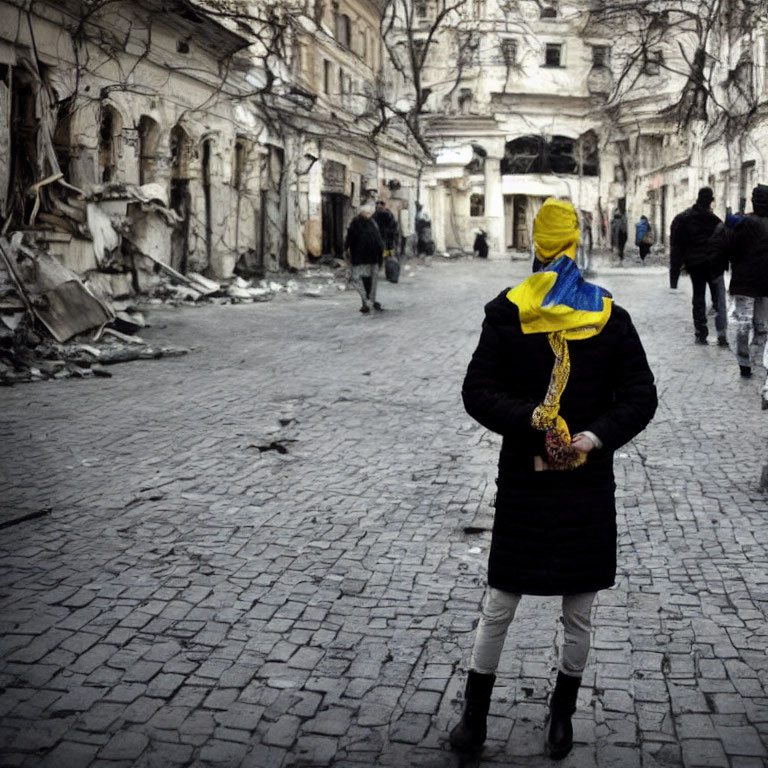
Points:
x=582, y=443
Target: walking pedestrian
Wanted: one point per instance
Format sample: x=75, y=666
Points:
x=555, y=355
x=644, y=237
x=619, y=233
x=690, y=249
x=744, y=247
x=365, y=247
x=387, y=225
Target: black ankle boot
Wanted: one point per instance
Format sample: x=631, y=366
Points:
x=469, y=734
x=562, y=706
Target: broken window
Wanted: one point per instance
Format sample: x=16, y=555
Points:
x=562, y=155
x=589, y=155
x=548, y=11
x=62, y=137
x=110, y=140
x=523, y=155
x=553, y=55
x=477, y=205
x=600, y=55
x=149, y=138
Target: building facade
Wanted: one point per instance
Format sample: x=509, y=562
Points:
x=587, y=100
x=521, y=122
x=219, y=137
x=126, y=117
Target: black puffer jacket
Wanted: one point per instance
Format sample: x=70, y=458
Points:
x=364, y=241
x=555, y=531
x=689, y=240
x=745, y=248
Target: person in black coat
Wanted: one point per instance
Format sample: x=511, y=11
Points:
x=689, y=247
x=480, y=246
x=365, y=249
x=744, y=247
x=555, y=354
x=387, y=225
x=619, y=233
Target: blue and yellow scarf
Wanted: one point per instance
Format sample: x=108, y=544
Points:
x=559, y=302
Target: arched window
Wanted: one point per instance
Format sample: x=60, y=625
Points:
x=524, y=155
x=562, y=155
x=589, y=153
x=149, y=138
x=344, y=30
x=181, y=153
x=110, y=138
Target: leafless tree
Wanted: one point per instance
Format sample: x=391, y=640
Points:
x=704, y=47
x=423, y=38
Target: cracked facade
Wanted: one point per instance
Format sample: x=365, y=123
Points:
x=614, y=104
x=229, y=136
x=222, y=138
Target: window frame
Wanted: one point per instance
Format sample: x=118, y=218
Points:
x=560, y=50
x=604, y=63
x=476, y=203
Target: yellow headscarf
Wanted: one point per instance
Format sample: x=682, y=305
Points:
x=556, y=230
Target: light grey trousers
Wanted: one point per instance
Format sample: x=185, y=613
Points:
x=497, y=613
x=749, y=318
x=365, y=278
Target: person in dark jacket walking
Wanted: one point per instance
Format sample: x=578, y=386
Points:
x=619, y=233
x=365, y=248
x=387, y=225
x=689, y=247
x=644, y=238
x=744, y=247
x=555, y=355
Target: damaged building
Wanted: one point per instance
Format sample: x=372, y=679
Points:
x=616, y=106
x=124, y=143
x=183, y=133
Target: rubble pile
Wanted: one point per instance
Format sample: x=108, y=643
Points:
x=53, y=326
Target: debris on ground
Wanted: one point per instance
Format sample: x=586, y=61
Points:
x=53, y=326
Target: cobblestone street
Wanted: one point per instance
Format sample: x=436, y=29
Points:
x=271, y=552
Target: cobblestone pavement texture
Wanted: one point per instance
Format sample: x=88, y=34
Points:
x=256, y=555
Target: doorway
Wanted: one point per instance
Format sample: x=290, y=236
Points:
x=334, y=209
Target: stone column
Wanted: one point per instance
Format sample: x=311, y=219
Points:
x=494, y=199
